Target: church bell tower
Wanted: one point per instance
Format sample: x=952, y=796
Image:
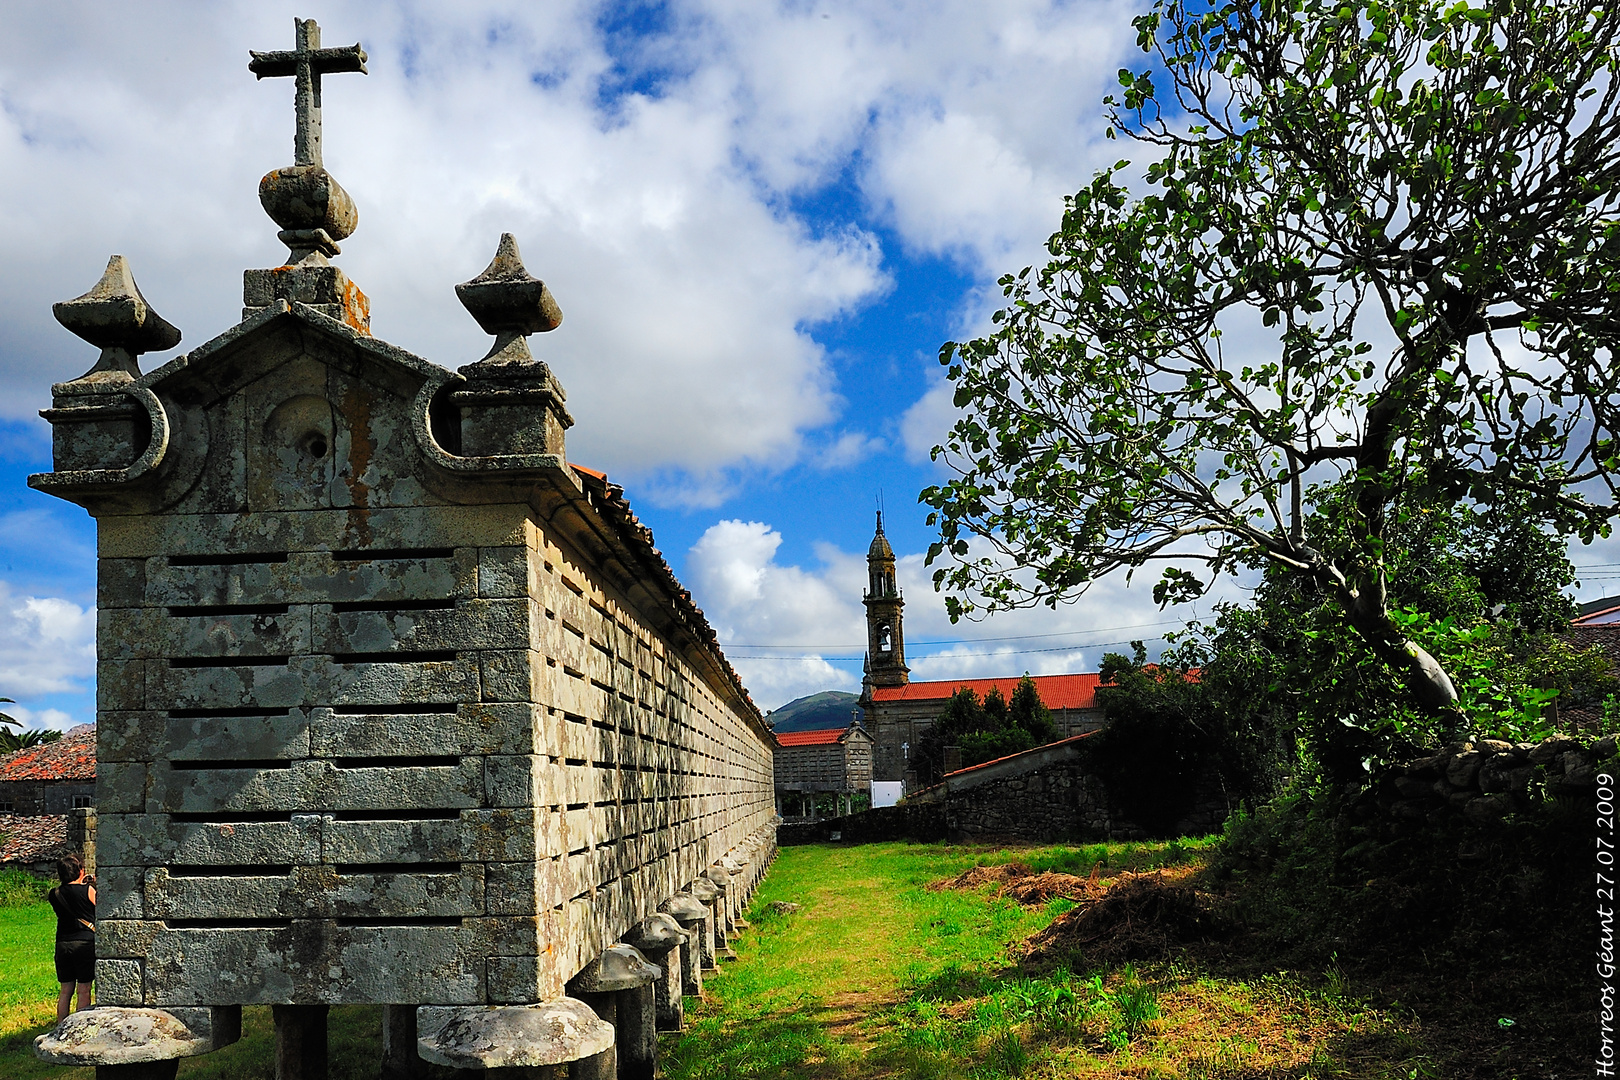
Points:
x=885, y=639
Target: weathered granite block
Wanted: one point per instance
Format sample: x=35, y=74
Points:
x=118, y=982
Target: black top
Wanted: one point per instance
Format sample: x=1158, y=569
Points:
x=72, y=903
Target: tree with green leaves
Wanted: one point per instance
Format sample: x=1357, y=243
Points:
x=1375, y=265
x=12, y=741
x=985, y=730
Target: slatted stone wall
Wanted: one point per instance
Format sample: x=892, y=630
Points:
x=359, y=743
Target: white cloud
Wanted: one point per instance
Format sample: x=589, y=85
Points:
x=47, y=645
x=51, y=719
x=928, y=421
x=753, y=601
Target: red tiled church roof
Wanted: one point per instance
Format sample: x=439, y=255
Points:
x=72, y=757
x=1057, y=691
x=824, y=737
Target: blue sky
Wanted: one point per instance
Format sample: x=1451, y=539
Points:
x=761, y=221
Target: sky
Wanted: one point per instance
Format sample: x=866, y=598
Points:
x=761, y=220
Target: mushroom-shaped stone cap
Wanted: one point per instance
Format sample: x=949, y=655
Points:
x=505, y=299
x=704, y=890
x=119, y=1036
x=686, y=910
x=655, y=934
x=620, y=967
x=730, y=865
x=718, y=877
x=509, y=1036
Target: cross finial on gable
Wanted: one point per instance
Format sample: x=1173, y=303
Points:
x=307, y=62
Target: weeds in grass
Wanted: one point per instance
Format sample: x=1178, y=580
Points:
x=19, y=888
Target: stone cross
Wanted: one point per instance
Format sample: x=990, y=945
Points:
x=307, y=62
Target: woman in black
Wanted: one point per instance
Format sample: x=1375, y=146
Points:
x=75, y=904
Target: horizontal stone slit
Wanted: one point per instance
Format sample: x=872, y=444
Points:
x=385, y=922
x=227, y=609
x=235, y=559
x=402, y=709
x=267, y=870
x=425, y=868
x=402, y=657
x=214, y=817
x=580, y=851
x=375, y=554
x=574, y=761
x=401, y=762
x=578, y=806
x=209, y=764
x=228, y=661
x=394, y=605
x=201, y=714
x=228, y=924
x=396, y=815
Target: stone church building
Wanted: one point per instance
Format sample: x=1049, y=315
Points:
x=897, y=710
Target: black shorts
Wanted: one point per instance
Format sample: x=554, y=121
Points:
x=75, y=961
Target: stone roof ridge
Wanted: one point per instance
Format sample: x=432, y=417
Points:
x=316, y=320
x=609, y=499
x=72, y=757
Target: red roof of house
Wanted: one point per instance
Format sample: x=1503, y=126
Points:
x=25, y=839
x=72, y=757
x=1057, y=691
x=824, y=737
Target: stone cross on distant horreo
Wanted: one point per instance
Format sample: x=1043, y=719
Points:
x=307, y=63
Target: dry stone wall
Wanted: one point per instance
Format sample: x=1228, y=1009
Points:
x=1483, y=781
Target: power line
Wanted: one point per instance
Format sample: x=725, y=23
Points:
x=950, y=655
x=973, y=641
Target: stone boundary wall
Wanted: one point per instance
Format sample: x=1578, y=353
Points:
x=1484, y=780
x=1052, y=792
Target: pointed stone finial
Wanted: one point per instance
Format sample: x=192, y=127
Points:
x=510, y=304
x=116, y=318
x=511, y=403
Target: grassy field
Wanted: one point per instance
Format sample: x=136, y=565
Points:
x=878, y=975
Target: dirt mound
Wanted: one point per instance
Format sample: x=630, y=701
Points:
x=975, y=876
x=1039, y=888
x=1138, y=917
x=1018, y=882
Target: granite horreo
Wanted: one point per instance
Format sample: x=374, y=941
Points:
x=394, y=704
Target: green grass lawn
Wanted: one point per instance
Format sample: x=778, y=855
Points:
x=879, y=976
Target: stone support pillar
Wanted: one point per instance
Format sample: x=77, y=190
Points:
x=300, y=1041
x=725, y=909
x=697, y=950
x=660, y=939
x=709, y=896
x=400, y=1061
x=618, y=986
